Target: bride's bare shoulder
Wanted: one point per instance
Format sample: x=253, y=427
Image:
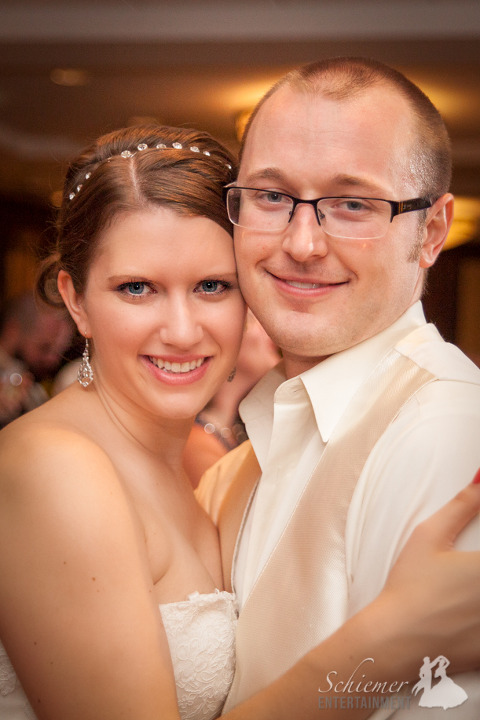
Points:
x=40, y=447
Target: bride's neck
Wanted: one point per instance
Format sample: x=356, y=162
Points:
x=159, y=436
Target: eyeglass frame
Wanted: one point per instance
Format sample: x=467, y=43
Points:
x=398, y=207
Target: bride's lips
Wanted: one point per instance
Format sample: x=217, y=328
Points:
x=177, y=370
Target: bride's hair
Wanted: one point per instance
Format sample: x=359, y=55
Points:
x=129, y=170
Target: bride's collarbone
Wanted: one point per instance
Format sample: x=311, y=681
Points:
x=183, y=560
x=181, y=540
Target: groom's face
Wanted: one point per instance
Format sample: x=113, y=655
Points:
x=316, y=294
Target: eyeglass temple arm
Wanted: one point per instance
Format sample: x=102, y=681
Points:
x=398, y=208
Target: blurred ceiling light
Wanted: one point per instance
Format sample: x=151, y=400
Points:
x=56, y=198
x=241, y=121
x=69, y=77
x=466, y=222
x=449, y=100
x=240, y=98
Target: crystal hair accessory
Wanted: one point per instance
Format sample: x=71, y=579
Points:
x=140, y=148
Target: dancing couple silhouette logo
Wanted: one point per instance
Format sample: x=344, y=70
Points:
x=444, y=693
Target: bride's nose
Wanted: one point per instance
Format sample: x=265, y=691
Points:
x=181, y=325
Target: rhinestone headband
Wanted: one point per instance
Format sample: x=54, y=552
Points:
x=140, y=148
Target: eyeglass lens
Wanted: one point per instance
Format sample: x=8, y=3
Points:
x=344, y=217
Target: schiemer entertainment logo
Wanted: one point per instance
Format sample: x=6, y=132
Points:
x=436, y=688
x=356, y=692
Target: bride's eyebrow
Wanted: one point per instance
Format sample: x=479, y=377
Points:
x=127, y=277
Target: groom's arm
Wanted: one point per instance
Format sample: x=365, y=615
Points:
x=217, y=480
x=425, y=457
x=224, y=493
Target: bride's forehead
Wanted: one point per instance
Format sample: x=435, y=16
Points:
x=164, y=238
x=163, y=224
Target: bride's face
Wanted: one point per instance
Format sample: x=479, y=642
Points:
x=164, y=311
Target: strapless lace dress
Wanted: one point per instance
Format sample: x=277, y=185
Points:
x=201, y=636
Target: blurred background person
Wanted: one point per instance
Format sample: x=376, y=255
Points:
x=219, y=428
x=33, y=341
x=67, y=375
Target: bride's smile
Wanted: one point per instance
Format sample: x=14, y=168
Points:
x=164, y=311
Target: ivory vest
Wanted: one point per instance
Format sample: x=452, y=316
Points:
x=301, y=596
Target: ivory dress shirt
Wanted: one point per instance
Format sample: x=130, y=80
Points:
x=412, y=471
x=427, y=454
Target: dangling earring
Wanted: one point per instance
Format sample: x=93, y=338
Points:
x=232, y=375
x=85, y=372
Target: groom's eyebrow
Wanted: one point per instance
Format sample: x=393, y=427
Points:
x=269, y=173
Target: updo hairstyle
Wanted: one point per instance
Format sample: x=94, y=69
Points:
x=179, y=168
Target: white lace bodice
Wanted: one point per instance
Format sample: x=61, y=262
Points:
x=201, y=636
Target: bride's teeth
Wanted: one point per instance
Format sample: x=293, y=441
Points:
x=176, y=367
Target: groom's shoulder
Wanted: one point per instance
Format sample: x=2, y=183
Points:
x=235, y=466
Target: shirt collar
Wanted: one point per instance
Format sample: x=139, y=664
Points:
x=256, y=410
x=330, y=385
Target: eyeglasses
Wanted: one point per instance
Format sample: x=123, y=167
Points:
x=354, y=218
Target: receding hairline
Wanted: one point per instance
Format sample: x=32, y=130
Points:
x=321, y=86
x=287, y=94
x=345, y=78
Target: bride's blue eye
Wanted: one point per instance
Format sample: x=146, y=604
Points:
x=212, y=287
x=136, y=288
